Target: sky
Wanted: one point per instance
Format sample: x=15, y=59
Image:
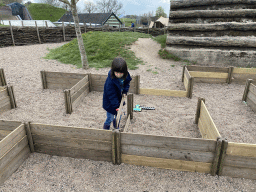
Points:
x=131, y=7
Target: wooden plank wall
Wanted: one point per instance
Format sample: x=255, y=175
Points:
x=184, y=154
x=94, y=144
x=240, y=161
x=97, y=83
x=240, y=75
x=163, y=92
x=206, y=125
x=60, y=80
x=209, y=74
x=188, y=82
x=75, y=95
x=14, y=149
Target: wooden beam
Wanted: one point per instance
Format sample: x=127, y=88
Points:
x=43, y=79
x=12, y=33
x=211, y=41
x=38, y=35
x=2, y=77
x=244, y=70
x=209, y=74
x=241, y=149
x=163, y=92
x=130, y=105
x=240, y=13
x=167, y=163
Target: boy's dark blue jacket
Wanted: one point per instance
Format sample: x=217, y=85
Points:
x=112, y=95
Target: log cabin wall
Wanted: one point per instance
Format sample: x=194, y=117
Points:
x=213, y=32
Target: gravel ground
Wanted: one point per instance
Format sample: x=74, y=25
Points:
x=172, y=117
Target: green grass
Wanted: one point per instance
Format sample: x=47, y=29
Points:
x=128, y=21
x=161, y=39
x=101, y=48
x=166, y=55
x=39, y=11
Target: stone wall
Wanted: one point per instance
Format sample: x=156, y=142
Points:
x=213, y=32
x=29, y=35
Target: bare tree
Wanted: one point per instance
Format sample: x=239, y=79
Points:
x=90, y=7
x=72, y=5
x=107, y=6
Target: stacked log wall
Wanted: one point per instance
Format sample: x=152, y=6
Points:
x=213, y=32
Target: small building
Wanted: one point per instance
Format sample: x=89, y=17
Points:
x=159, y=23
x=96, y=19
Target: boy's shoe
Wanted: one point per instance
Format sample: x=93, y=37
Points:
x=106, y=127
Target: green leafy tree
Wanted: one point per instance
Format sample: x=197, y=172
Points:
x=160, y=12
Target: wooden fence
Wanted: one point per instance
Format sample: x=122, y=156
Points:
x=239, y=160
x=205, y=123
x=220, y=74
x=76, y=86
x=250, y=94
x=14, y=148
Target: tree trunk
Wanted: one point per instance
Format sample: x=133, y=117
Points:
x=84, y=60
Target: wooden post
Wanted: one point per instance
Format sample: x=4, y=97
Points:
x=148, y=29
x=224, y=147
x=38, y=33
x=198, y=109
x=22, y=24
x=130, y=105
x=214, y=167
x=190, y=87
x=63, y=29
x=2, y=77
x=246, y=90
x=68, y=104
x=114, y=147
x=183, y=71
x=11, y=33
x=90, y=24
x=43, y=79
x=12, y=97
x=46, y=25
x=118, y=148
x=30, y=138
x=230, y=71
x=90, y=82
x=137, y=84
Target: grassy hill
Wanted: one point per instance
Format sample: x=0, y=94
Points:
x=101, y=48
x=39, y=11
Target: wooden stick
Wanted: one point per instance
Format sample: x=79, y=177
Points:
x=214, y=168
x=230, y=71
x=12, y=33
x=22, y=24
x=63, y=29
x=30, y=138
x=90, y=82
x=38, y=33
x=198, y=109
x=224, y=147
x=84, y=27
x=246, y=90
x=46, y=25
